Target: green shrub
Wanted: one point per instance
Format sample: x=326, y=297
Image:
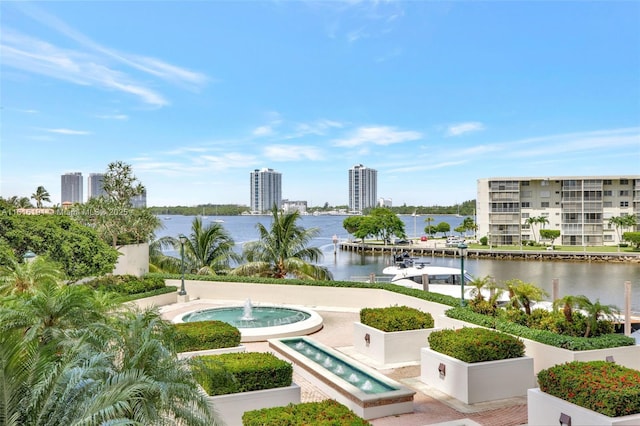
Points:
x=473, y=344
x=484, y=241
x=543, y=336
x=127, y=284
x=241, y=372
x=396, y=318
x=201, y=335
x=603, y=387
x=324, y=413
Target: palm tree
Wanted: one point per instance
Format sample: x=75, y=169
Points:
x=160, y=262
x=41, y=195
x=523, y=294
x=478, y=285
x=283, y=251
x=595, y=311
x=429, y=228
x=568, y=303
x=17, y=277
x=208, y=249
x=95, y=369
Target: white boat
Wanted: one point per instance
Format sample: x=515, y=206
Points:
x=410, y=273
x=218, y=221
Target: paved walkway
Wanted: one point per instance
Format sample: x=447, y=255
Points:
x=430, y=406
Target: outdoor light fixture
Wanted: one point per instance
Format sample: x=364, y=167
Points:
x=28, y=256
x=183, y=240
x=463, y=249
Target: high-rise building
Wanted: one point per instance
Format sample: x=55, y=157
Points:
x=511, y=211
x=139, y=201
x=71, y=188
x=266, y=190
x=363, y=188
x=94, y=184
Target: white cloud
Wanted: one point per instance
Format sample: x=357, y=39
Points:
x=68, y=131
x=378, y=135
x=292, y=153
x=262, y=131
x=113, y=116
x=462, y=128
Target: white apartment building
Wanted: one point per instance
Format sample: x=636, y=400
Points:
x=579, y=206
x=363, y=188
x=266, y=190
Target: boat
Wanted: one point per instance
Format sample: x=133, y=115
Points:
x=218, y=221
x=410, y=272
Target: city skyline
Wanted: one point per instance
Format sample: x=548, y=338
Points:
x=432, y=95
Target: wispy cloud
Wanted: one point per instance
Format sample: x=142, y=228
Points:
x=462, y=128
x=113, y=116
x=292, y=153
x=377, y=135
x=92, y=65
x=68, y=131
x=262, y=131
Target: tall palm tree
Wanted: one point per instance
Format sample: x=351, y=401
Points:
x=208, y=249
x=283, y=250
x=41, y=195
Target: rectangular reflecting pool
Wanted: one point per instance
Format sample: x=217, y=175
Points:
x=364, y=390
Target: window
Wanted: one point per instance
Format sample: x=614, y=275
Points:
x=624, y=193
x=608, y=237
x=624, y=181
x=544, y=204
x=545, y=194
x=606, y=182
x=624, y=204
x=525, y=215
x=526, y=204
x=524, y=183
x=607, y=193
x=607, y=204
x=544, y=183
x=526, y=194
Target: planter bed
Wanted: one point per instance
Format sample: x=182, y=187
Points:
x=231, y=407
x=544, y=409
x=390, y=347
x=476, y=382
x=191, y=354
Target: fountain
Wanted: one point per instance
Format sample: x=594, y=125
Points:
x=262, y=322
x=365, y=391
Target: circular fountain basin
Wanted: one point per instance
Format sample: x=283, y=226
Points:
x=264, y=321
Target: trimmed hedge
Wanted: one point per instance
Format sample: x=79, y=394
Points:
x=241, y=372
x=201, y=335
x=127, y=284
x=600, y=386
x=324, y=413
x=473, y=344
x=396, y=318
x=542, y=336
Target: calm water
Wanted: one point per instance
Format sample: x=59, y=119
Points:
x=604, y=281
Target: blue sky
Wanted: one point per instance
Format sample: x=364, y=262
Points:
x=433, y=94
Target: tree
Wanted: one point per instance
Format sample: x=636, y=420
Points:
x=633, y=238
x=113, y=216
x=78, y=249
x=208, y=249
x=63, y=361
x=283, y=251
x=41, y=195
x=621, y=223
x=550, y=234
x=160, y=262
x=523, y=294
x=19, y=277
x=443, y=227
x=384, y=223
x=595, y=311
x=532, y=221
x=429, y=229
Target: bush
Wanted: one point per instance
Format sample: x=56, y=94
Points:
x=484, y=241
x=473, y=344
x=201, y=335
x=603, y=387
x=396, y=318
x=126, y=284
x=241, y=372
x=324, y=413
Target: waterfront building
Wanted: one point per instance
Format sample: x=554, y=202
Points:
x=266, y=190
x=580, y=207
x=94, y=185
x=363, y=188
x=289, y=206
x=385, y=202
x=71, y=188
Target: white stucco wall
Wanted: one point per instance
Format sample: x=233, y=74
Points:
x=133, y=260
